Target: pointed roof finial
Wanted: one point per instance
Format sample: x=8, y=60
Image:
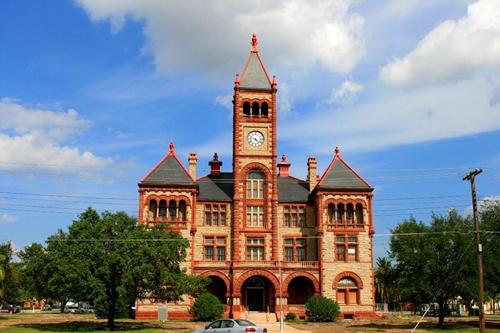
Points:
x=283, y=158
x=337, y=151
x=254, y=43
x=171, y=147
x=216, y=157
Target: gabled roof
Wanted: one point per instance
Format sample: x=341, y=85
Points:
x=291, y=189
x=339, y=175
x=254, y=74
x=216, y=188
x=169, y=171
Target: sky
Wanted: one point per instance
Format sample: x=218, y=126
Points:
x=92, y=92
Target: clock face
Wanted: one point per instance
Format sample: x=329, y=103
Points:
x=255, y=138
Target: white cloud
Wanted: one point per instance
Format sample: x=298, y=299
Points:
x=32, y=137
x=454, y=49
x=394, y=118
x=208, y=35
x=225, y=101
x=346, y=92
x=6, y=218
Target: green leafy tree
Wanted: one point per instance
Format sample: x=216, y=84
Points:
x=432, y=260
x=490, y=223
x=108, y=260
x=386, y=281
x=207, y=307
x=322, y=309
x=10, y=289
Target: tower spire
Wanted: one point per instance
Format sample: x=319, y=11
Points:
x=254, y=43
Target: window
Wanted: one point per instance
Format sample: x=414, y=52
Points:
x=346, y=248
x=295, y=249
x=153, y=206
x=214, y=248
x=255, y=109
x=166, y=210
x=294, y=216
x=163, y=209
x=347, y=291
x=350, y=213
x=255, y=249
x=340, y=213
x=215, y=214
x=255, y=185
x=359, y=214
x=331, y=213
x=255, y=216
x=246, y=108
x=172, y=209
x=264, y=108
x=182, y=210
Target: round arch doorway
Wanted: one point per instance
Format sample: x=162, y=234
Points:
x=259, y=294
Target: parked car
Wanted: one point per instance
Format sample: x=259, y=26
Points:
x=71, y=308
x=86, y=309
x=9, y=308
x=231, y=326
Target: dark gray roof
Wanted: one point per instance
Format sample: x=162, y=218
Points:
x=340, y=176
x=169, y=171
x=292, y=190
x=216, y=188
x=254, y=75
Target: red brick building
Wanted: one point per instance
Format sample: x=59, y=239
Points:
x=258, y=232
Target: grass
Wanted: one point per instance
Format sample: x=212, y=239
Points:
x=55, y=322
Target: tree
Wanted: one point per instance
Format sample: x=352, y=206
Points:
x=432, y=260
x=108, y=260
x=385, y=280
x=207, y=307
x=9, y=285
x=490, y=222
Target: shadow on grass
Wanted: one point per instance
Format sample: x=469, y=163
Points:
x=83, y=326
x=459, y=325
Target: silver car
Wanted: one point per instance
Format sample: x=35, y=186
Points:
x=231, y=326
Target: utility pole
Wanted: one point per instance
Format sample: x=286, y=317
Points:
x=471, y=177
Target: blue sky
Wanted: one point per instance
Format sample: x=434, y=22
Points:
x=91, y=93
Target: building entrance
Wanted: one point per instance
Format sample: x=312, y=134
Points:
x=258, y=294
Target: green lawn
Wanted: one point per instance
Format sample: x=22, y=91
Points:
x=28, y=322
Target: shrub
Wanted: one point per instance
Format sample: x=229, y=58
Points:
x=290, y=316
x=207, y=307
x=320, y=308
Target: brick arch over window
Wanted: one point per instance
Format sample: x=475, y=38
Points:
x=307, y=275
x=176, y=198
x=256, y=166
x=219, y=275
x=258, y=272
x=352, y=275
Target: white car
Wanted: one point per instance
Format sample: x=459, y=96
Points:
x=231, y=326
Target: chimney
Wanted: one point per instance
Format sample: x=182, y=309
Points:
x=312, y=172
x=284, y=167
x=215, y=165
x=192, y=164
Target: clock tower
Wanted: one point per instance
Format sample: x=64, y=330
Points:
x=254, y=162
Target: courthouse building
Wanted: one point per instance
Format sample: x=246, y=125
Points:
x=260, y=234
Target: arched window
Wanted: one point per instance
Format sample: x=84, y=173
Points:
x=340, y=213
x=350, y=213
x=172, y=209
x=347, y=291
x=246, y=108
x=163, y=209
x=264, y=109
x=153, y=206
x=359, y=214
x=331, y=213
x=182, y=210
x=255, y=184
x=255, y=109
